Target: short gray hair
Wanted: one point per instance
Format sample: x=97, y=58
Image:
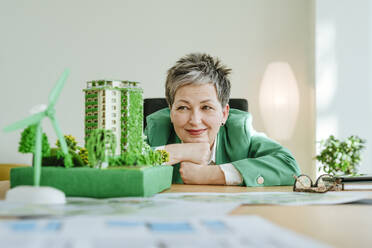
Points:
x=198, y=68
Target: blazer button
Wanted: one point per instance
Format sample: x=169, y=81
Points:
x=260, y=180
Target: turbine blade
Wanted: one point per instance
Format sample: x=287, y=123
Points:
x=56, y=91
x=33, y=119
x=62, y=141
x=37, y=156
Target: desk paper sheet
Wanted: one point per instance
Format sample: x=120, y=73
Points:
x=129, y=206
x=242, y=231
x=175, y=204
x=272, y=198
x=358, y=186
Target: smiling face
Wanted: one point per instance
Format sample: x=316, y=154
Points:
x=197, y=114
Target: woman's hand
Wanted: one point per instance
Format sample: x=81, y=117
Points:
x=198, y=153
x=192, y=173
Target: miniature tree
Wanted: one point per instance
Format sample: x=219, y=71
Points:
x=27, y=142
x=101, y=145
x=70, y=141
x=83, y=153
x=57, y=156
x=145, y=156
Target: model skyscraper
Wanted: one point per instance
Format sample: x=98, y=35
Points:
x=116, y=106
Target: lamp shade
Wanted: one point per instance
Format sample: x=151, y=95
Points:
x=279, y=100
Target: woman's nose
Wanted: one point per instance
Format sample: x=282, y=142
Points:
x=195, y=117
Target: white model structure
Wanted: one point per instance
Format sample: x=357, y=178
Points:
x=116, y=106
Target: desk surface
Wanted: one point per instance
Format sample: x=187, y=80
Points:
x=345, y=225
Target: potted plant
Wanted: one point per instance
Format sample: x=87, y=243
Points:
x=340, y=157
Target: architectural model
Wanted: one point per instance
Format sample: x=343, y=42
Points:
x=116, y=161
x=116, y=106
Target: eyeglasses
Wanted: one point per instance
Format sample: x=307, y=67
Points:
x=323, y=184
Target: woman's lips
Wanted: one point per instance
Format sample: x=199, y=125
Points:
x=196, y=132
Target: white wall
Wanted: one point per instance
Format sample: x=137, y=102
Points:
x=344, y=71
x=139, y=41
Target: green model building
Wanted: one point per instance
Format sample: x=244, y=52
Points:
x=116, y=106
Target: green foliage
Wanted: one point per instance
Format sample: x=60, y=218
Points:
x=146, y=156
x=132, y=119
x=83, y=153
x=164, y=156
x=70, y=141
x=28, y=138
x=57, y=158
x=101, y=144
x=340, y=156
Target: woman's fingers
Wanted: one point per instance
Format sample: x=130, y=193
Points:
x=191, y=173
x=198, y=153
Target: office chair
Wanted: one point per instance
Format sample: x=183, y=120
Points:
x=151, y=105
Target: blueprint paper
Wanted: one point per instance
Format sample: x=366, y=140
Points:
x=111, y=231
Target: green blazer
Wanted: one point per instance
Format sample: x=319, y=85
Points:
x=252, y=154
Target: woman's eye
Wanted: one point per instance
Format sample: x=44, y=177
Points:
x=206, y=108
x=181, y=108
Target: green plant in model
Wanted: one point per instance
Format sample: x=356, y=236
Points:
x=340, y=157
x=137, y=157
x=56, y=157
x=27, y=142
x=83, y=154
x=101, y=145
x=70, y=142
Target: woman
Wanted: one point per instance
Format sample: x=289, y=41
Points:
x=208, y=142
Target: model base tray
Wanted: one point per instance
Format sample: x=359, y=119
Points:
x=99, y=183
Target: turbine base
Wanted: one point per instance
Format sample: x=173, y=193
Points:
x=35, y=195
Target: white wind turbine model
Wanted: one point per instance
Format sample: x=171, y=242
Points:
x=36, y=193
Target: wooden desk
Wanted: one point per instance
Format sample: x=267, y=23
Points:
x=346, y=225
x=4, y=186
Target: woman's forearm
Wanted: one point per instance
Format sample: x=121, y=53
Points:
x=201, y=174
x=214, y=175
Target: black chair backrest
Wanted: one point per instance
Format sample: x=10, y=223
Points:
x=151, y=105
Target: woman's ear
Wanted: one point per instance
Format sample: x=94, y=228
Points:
x=225, y=113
